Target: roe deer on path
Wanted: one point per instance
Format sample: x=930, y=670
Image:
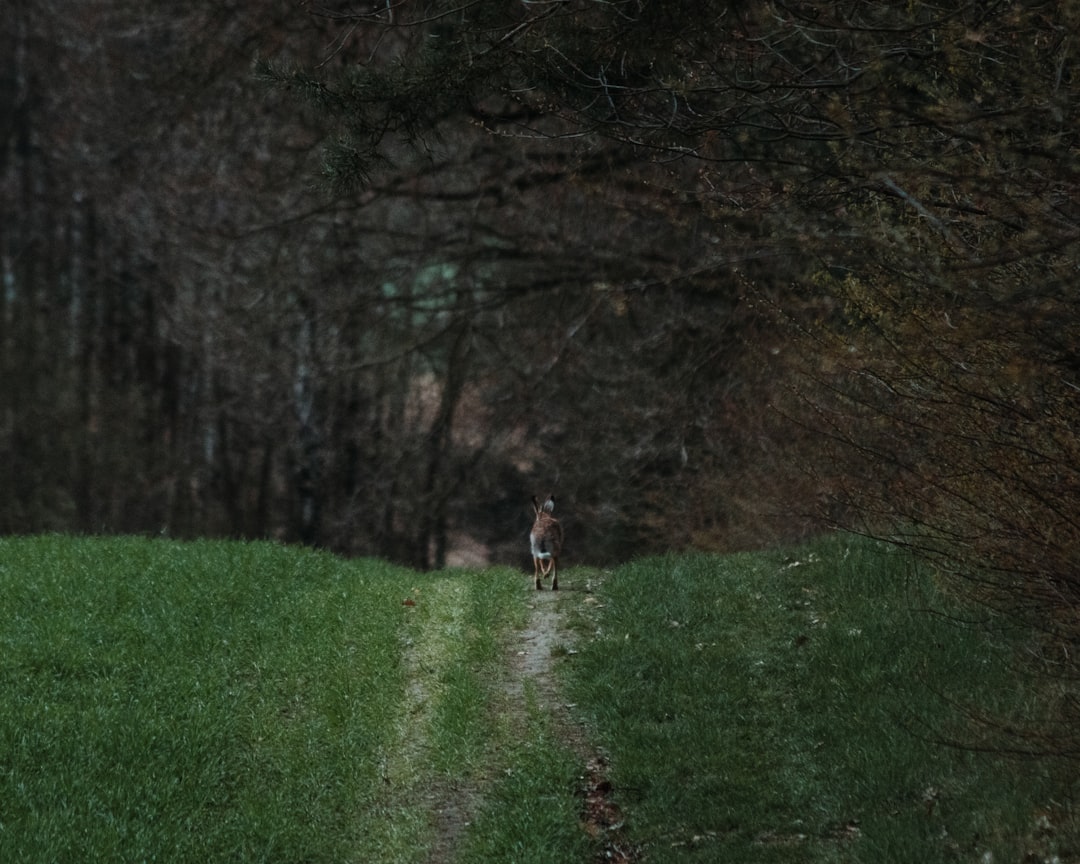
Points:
x=546, y=542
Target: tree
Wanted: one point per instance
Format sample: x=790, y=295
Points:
x=897, y=181
x=195, y=342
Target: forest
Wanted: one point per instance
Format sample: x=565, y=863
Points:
x=720, y=275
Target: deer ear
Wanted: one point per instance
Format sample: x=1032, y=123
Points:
x=549, y=505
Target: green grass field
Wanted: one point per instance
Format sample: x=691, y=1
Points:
x=240, y=702
x=786, y=707
x=216, y=701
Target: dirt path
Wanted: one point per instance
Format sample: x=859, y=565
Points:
x=534, y=660
x=538, y=647
x=530, y=673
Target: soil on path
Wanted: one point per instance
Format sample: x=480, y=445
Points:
x=544, y=639
x=534, y=651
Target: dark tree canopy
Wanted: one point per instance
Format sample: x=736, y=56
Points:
x=715, y=273
x=865, y=214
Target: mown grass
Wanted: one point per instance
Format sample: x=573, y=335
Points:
x=248, y=702
x=236, y=702
x=788, y=706
x=532, y=813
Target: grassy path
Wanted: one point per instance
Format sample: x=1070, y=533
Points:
x=432, y=632
x=531, y=809
x=197, y=702
x=547, y=641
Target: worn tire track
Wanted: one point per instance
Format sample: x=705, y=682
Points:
x=534, y=664
x=529, y=683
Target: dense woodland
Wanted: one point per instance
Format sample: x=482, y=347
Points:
x=717, y=274
x=199, y=336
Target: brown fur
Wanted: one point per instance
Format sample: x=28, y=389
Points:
x=545, y=541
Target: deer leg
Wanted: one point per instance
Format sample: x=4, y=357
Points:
x=537, y=567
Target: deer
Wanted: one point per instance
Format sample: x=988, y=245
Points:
x=545, y=540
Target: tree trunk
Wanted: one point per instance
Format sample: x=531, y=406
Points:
x=432, y=542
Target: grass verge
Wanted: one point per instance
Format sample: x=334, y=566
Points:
x=786, y=707
x=222, y=701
